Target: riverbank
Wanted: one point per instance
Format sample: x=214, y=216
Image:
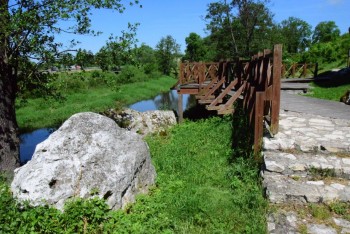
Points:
x=49, y=112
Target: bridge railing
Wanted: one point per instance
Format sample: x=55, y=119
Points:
x=198, y=72
x=257, y=81
x=298, y=70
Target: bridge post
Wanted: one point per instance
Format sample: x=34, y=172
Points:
x=180, y=111
x=276, y=88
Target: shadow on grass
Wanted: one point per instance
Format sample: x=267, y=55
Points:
x=333, y=78
x=198, y=112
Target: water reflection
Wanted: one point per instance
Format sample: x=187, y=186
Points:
x=29, y=142
x=165, y=101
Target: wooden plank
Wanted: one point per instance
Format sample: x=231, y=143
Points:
x=226, y=111
x=230, y=102
x=204, y=90
x=224, y=92
x=207, y=101
x=216, y=87
x=188, y=91
x=276, y=88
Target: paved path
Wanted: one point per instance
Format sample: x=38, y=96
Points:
x=314, y=106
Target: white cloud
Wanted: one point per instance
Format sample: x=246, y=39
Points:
x=335, y=2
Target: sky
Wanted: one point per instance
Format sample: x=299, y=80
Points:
x=178, y=18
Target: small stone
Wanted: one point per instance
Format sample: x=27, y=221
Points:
x=318, y=183
x=344, y=195
x=297, y=167
x=338, y=186
x=345, y=231
x=320, y=229
x=288, y=156
x=330, y=194
x=346, y=161
x=341, y=222
x=273, y=166
x=292, y=219
x=322, y=122
x=271, y=226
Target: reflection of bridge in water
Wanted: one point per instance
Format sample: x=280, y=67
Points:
x=165, y=101
x=256, y=82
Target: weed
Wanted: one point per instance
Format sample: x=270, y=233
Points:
x=320, y=212
x=296, y=178
x=340, y=208
x=322, y=173
x=302, y=229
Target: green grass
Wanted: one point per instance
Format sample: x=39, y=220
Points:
x=329, y=93
x=40, y=112
x=202, y=187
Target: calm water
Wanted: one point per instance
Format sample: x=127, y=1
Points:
x=164, y=101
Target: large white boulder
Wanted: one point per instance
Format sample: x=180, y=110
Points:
x=89, y=155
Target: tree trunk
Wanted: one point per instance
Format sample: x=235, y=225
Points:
x=9, y=141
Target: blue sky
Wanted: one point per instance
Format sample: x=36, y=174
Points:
x=179, y=18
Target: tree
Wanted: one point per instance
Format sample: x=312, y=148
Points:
x=296, y=34
x=84, y=58
x=66, y=60
x=118, y=50
x=195, y=49
x=27, y=33
x=146, y=58
x=239, y=27
x=325, y=31
x=167, y=53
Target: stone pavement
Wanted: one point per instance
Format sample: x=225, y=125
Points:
x=308, y=161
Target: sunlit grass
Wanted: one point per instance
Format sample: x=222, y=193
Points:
x=328, y=93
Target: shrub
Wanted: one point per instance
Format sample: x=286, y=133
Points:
x=130, y=74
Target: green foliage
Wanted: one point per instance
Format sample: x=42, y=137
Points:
x=131, y=74
x=325, y=31
x=296, y=34
x=84, y=58
x=195, y=49
x=119, y=50
x=340, y=208
x=167, y=52
x=238, y=27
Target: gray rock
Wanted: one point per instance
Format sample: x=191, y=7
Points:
x=143, y=123
x=342, y=222
x=320, y=229
x=282, y=222
x=89, y=155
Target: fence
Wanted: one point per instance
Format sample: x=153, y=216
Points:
x=300, y=70
x=256, y=81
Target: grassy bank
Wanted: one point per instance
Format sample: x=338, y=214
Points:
x=329, y=93
x=47, y=112
x=202, y=187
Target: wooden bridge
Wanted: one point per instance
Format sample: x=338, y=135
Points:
x=256, y=82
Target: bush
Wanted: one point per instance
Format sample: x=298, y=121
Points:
x=131, y=74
